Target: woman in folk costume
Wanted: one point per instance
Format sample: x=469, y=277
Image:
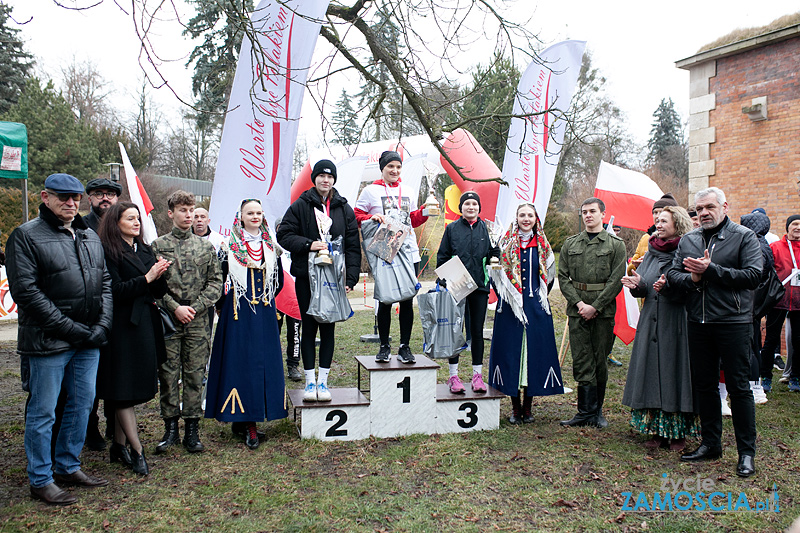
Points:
x=245, y=376
x=523, y=356
x=659, y=385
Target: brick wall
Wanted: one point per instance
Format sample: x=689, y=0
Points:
x=758, y=163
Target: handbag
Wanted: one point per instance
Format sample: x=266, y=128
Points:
x=166, y=322
x=768, y=293
x=329, y=303
x=442, y=321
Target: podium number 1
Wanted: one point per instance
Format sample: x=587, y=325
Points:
x=406, y=386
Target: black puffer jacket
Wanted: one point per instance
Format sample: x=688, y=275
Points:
x=472, y=245
x=60, y=284
x=725, y=293
x=759, y=223
x=299, y=229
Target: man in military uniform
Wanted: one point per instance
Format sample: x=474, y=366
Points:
x=195, y=283
x=590, y=270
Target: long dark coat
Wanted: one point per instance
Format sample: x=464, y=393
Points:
x=659, y=375
x=128, y=369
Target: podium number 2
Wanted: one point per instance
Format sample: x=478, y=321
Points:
x=406, y=386
x=472, y=415
x=334, y=430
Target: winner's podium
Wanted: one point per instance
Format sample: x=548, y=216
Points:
x=403, y=399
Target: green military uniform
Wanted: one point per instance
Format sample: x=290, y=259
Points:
x=193, y=279
x=591, y=270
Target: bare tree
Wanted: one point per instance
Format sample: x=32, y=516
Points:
x=144, y=126
x=86, y=91
x=190, y=151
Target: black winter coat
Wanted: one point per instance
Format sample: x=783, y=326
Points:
x=472, y=245
x=725, y=292
x=60, y=285
x=128, y=368
x=298, y=230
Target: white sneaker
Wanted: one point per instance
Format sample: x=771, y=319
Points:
x=758, y=392
x=323, y=394
x=310, y=393
x=726, y=411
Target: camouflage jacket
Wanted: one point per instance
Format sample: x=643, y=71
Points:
x=195, y=276
x=598, y=263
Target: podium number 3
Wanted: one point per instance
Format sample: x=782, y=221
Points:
x=334, y=430
x=405, y=385
x=472, y=415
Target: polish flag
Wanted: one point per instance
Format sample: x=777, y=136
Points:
x=140, y=198
x=627, y=316
x=628, y=194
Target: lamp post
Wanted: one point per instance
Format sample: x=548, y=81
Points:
x=113, y=171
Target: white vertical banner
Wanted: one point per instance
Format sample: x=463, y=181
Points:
x=139, y=197
x=534, y=144
x=348, y=179
x=260, y=131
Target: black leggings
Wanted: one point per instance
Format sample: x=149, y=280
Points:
x=406, y=318
x=310, y=326
x=475, y=311
x=772, y=339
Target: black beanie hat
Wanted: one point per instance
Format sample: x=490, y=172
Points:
x=469, y=195
x=664, y=201
x=325, y=166
x=790, y=220
x=387, y=157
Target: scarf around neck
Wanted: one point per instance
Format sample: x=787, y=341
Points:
x=663, y=245
x=240, y=263
x=509, y=282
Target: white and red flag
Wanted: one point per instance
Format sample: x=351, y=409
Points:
x=534, y=144
x=628, y=194
x=627, y=315
x=139, y=197
x=260, y=131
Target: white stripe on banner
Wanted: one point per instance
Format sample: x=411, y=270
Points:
x=258, y=139
x=534, y=145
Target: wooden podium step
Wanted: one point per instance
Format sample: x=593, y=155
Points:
x=345, y=417
x=470, y=411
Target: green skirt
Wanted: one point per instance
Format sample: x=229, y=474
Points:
x=667, y=425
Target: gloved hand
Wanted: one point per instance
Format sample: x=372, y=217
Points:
x=78, y=335
x=98, y=336
x=442, y=282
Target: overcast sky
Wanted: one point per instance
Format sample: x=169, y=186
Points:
x=634, y=43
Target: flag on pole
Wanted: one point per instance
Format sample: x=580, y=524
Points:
x=627, y=315
x=628, y=194
x=258, y=138
x=534, y=143
x=139, y=197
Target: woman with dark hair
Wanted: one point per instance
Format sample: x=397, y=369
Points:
x=245, y=373
x=659, y=385
x=128, y=371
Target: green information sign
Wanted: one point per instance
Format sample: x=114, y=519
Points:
x=13, y=150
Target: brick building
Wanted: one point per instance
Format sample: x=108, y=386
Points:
x=744, y=122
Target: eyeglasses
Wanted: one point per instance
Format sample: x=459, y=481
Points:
x=100, y=194
x=65, y=196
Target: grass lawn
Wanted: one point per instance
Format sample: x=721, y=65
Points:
x=536, y=477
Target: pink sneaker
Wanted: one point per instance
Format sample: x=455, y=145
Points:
x=456, y=387
x=477, y=383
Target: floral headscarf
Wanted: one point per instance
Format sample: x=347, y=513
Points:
x=509, y=282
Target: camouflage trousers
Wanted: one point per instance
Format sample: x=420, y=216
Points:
x=590, y=342
x=187, y=356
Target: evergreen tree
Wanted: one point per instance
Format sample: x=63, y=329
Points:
x=667, y=130
x=344, y=121
x=15, y=62
x=57, y=140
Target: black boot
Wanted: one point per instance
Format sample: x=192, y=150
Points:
x=527, y=413
x=601, y=396
x=191, y=436
x=119, y=453
x=171, y=435
x=516, y=411
x=139, y=463
x=587, y=408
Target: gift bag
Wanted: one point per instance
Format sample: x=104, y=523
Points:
x=442, y=320
x=395, y=281
x=329, y=301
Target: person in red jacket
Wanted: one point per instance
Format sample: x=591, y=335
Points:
x=375, y=202
x=787, y=259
